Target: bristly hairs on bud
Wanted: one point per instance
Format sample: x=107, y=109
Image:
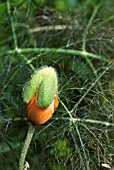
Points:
x=45, y=84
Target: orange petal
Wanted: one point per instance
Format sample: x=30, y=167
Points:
x=56, y=102
x=37, y=115
x=31, y=102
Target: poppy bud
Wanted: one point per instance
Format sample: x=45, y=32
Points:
x=41, y=95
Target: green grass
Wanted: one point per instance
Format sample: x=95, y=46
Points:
x=78, y=43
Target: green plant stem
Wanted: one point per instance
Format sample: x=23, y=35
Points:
x=27, y=61
x=92, y=121
x=88, y=26
x=89, y=89
x=26, y=146
x=55, y=28
x=57, y=51
x=12, y=24
x=76, y=127
x=84, y=45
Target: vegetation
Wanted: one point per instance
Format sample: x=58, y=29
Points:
x=76, y=37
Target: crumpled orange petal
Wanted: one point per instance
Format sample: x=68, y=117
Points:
x=37, y=115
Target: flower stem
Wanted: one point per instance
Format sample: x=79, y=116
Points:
x=26, y=146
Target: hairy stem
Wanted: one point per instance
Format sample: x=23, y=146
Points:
x=26, y=146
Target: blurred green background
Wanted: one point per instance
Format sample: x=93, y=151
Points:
x=63, y=143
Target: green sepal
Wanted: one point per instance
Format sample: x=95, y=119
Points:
x=32, y=86
x=44, y=84
x=47, y=88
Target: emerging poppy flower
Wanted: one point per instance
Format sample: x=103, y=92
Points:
x=37, y=115
x=41, y=97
